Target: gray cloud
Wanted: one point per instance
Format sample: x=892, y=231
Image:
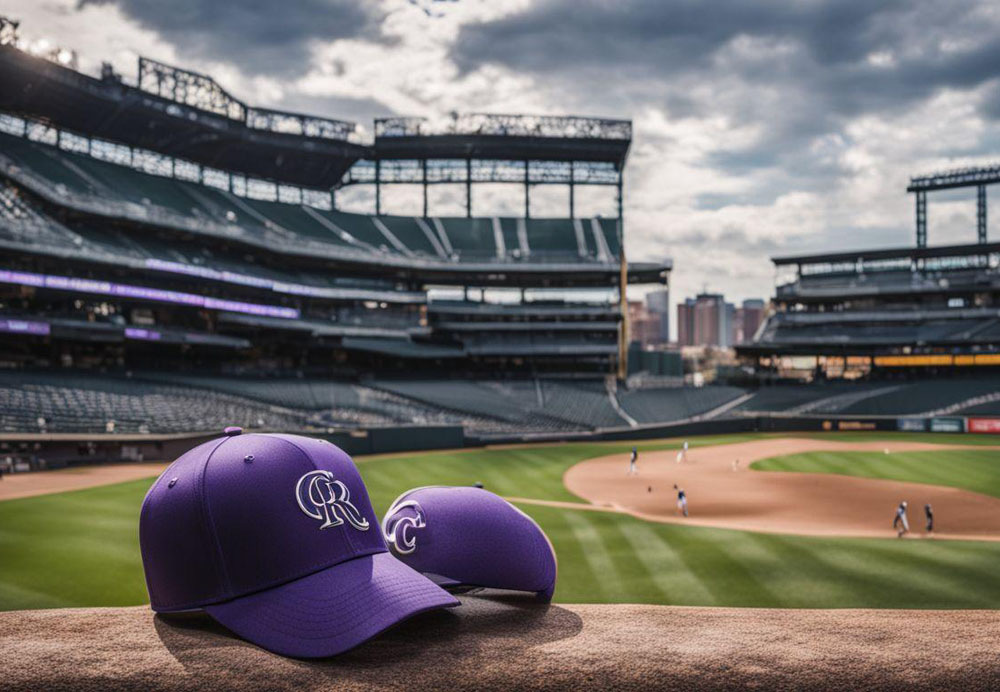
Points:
x=258, y=36
x=796, y=70
x=359, y=110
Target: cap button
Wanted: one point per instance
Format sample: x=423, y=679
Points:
x=233, y=430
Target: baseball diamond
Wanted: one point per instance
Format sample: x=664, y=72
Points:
x=466, y=345
x=608, y=551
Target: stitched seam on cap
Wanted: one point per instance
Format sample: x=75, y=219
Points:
x=218, y=558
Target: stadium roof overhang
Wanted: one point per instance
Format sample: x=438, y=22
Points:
x=109, y=109
x=540, y=274
x=502, y=148
x=890, y=253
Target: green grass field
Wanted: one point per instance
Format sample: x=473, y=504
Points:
x=81, y=548
x=977, y=470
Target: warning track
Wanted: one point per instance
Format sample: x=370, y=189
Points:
x=18, y=485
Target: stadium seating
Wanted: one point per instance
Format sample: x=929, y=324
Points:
x=66, y=402
x=552, y=237
x=793, y=398
x=514, y=403
x=111, y=189
x=472, y=239
x=157, y=402
x=924, y=397
x=675, y=403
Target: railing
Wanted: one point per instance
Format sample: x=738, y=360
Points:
x=497, y=125
x=958, y=177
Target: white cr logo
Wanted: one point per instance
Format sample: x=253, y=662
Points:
x=326, y=499
x=399, y=530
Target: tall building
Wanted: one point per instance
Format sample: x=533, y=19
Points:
x=708, y=320
x=747, y=319
x=685, y=322
x=658, y=304
x=644, y=325
x=712, y=320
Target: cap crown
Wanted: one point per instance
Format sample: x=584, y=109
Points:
x=471, y=536
x=248, y=512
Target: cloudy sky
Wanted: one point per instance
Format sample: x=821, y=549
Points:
x=760, y=127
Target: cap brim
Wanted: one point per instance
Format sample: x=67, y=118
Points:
x=333, y=610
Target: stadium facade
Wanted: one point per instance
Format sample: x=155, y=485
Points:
x=174, y=260
x=889, y=313
x=167, y=221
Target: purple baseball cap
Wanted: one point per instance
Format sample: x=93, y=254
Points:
x=466, y=536
x=274, y=537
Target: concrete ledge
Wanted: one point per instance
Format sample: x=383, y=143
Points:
x=510, y=642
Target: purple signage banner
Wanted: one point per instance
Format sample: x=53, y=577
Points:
x=24, y=327
x=144, y=334
x=108, y=288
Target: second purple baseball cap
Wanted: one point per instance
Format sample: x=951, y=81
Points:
x=274, y=537
x=464, y=536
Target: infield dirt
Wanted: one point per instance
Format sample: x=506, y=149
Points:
x=776, y=501
x=18, y=485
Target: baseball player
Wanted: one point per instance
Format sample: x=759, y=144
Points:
x=682, y=501
x=900, y=522
x=929, y=514
x=682, y=455
x=632, y=461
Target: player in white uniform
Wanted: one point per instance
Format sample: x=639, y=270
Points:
x=900, y=522
x=682, y=455
x=632, y=461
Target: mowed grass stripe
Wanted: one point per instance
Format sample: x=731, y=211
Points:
x=597, y=556
x=75, y=548
x=972, y=469
x=703, y=566
x=668, y=573
x=571, y=555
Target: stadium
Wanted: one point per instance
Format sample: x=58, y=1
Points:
x=177, y=262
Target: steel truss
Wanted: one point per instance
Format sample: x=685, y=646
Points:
x=204, y=93
x=973, y=176
x=8, y=31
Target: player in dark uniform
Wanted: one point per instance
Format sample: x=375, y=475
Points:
x=632, y=461
x=929, y=514
x=682, y=500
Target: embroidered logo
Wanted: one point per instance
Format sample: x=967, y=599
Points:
x=326, y=499
x=399, y=527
